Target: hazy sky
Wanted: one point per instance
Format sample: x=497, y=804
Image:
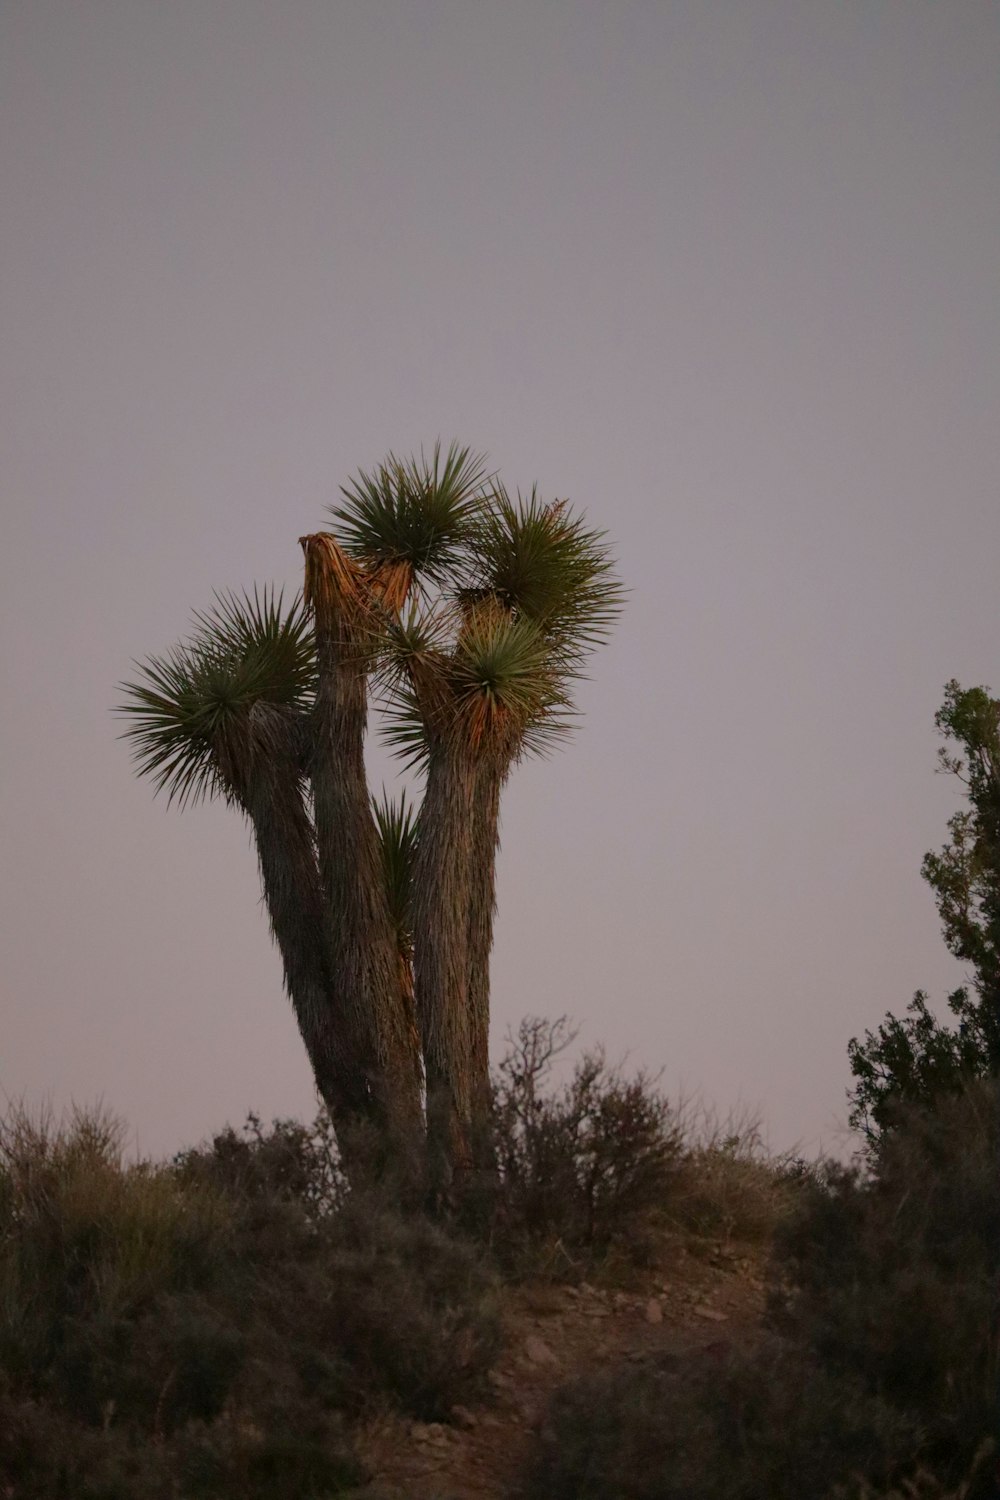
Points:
x=724, y=272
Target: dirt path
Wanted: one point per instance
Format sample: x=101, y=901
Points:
x=553, y=1334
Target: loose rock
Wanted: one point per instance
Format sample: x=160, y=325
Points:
x=711, y=1314
x=429, y=1432
x=537, y=1351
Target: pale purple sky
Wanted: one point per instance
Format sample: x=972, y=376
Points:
x=724, y=272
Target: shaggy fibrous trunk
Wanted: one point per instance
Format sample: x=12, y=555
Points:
x=441, y=945
x=361, y=942
x=286, y=853
x=485, y=842
x=260, y=760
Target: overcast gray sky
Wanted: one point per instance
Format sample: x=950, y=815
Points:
x=724, y=272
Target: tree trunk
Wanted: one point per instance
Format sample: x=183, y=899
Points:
x=290, y=876
x=361, y=942
x=441, y=948
x=485, y=843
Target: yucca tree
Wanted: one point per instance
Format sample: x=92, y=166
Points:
x=471, y=615
x=266, y=708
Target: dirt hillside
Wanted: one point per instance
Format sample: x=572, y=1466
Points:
x=554, y=1333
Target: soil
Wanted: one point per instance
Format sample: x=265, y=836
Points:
x=553, y=1334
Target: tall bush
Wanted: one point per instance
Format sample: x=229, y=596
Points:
x=918, y=1058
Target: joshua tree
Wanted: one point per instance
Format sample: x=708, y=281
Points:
x=469, y=615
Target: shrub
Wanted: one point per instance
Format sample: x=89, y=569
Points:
x=385, y=1305
x=88, y=1247
x=880, y=1365
x=290, y=1162
x=918, y=1058
x=44, y=1455
x=583, y=1169
x=894, y=1273
x=924, y=1485
x=228, y=1312
x=728, y=1185
x=399, y=1306
x=298, y=1460
x=744, y=1425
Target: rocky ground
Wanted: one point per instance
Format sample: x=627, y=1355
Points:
x=553, y=1334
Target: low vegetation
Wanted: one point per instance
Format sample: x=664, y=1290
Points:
x=877, y=1370
x=219, y=1325
x=596, y=1173
x=204, y=1325
x=585, y=1169
x=215, y=1323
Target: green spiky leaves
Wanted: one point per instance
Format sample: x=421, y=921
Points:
x=229, y=697
x=490, y=689
x=475, y=612
x=411, y=517
x=397, y=832
x=502, y=682
x=544, y=564
x=532, y=593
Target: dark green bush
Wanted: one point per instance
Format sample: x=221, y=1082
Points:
x=766, y=1423
x=45, y=1455
x=305, y=1460
x=88, y=1249
x=290, y=1162
x=881, y=1359
x=918, y=1058
x=379, y=1304
x=895, y=1274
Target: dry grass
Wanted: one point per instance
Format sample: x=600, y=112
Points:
x=729, y=1186
x=923, y=1485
